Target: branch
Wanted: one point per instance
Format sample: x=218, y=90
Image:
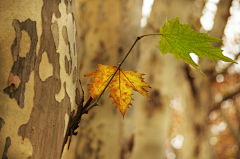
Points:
x=120, y=64
x=218, y=105
x=75, y=120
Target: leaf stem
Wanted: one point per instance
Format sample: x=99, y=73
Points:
x=148, y=35
x=120, y=64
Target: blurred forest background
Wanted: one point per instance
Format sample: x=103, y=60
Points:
x=189, y=116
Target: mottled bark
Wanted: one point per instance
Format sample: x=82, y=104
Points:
x=39, y=70
x=195, y=124
x=168, y=80
x=107, y=29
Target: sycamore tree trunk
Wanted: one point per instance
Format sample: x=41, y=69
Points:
x=197, y=144
x=107, y=29
x=168, y=80
x=39, y=71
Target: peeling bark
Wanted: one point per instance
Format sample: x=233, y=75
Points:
x=22, y=66
x=38, y=82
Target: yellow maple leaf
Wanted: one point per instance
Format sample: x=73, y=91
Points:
x=120, y=87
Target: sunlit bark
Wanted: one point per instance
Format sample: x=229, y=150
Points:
x=39, y=70
x=168, y=80
x=107, y=29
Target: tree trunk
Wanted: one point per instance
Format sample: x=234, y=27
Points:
x=195, y=124
x=168, y=80
x=107, y=29
x=39, y=70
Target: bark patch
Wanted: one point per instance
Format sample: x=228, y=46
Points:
x=127, y=148
x=78, y=95
x=154, y=103
x=65, y=34
x=14, y=79
x=67, y=65
x=7, y=145
x=22, y=66
x=24, y=44
x=45, y=68
x=68, y=4
x=199, y=131
x=2, y=123
x=100, y=55
x=74, y=77
x=55, y=32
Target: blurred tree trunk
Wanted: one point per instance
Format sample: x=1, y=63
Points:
x=107, y=29
x=168, y=80
x=39, y=69
x=196, y=128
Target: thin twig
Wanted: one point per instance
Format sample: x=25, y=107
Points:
x=95, y=102
x=218, y=105
x=120, y=64
x=148, y=35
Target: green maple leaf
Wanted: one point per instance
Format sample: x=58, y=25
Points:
x=180, y=40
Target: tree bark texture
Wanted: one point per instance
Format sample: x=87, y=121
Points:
x=196, y=126
x=168, y=80
x=107, y=29
x=39, y=70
